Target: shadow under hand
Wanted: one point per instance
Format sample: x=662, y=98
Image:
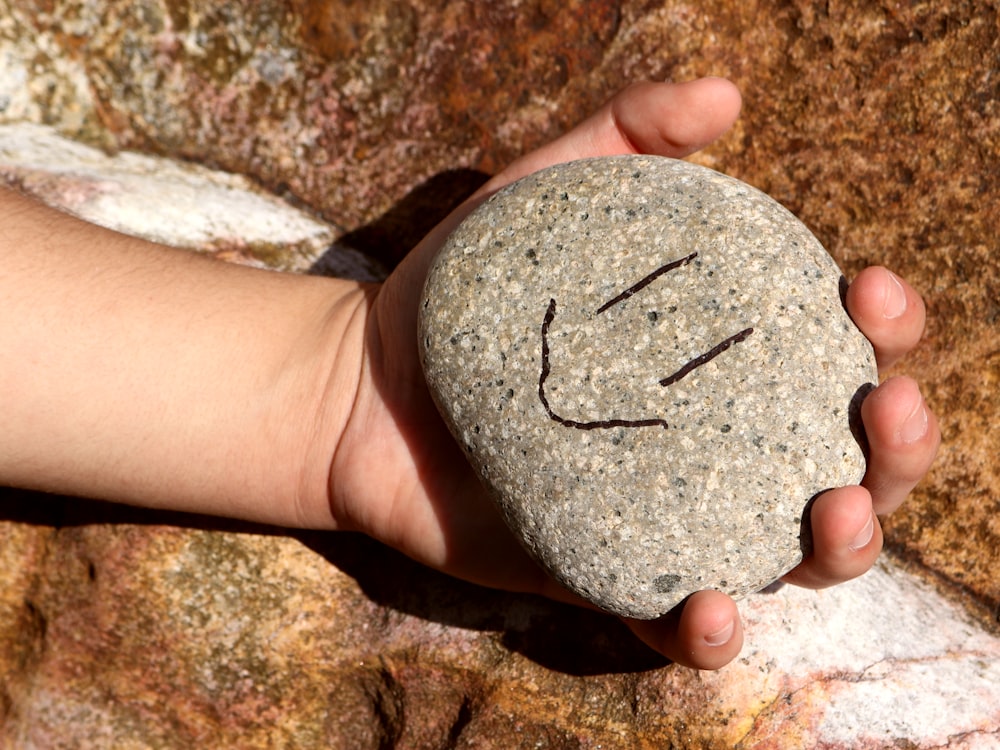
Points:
x=57, y=511
x=391, y=236
x=556, y=636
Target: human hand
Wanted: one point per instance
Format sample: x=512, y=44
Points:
x=398, y=476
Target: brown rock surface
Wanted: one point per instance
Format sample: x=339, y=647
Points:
x=876, y=122
x=128, y=629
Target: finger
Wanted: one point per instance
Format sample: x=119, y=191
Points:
x=667, y=119
x=845, y=538
x=888, y=311
x=903, y=438
x=704, y=632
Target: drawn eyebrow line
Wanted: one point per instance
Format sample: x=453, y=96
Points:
x=646, y=281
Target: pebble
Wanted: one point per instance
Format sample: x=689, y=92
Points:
x=650, y=367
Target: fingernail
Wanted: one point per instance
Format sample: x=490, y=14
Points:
x=894, y=304
x=722, y=636
x=865, y=535
x=914, y=426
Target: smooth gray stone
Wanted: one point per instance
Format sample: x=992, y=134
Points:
x=650, y=367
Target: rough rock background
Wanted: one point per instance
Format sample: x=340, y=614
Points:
x=877, y=123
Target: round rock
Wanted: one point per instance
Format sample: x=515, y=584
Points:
x=650, y=366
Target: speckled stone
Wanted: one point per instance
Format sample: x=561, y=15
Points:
x=650, y=366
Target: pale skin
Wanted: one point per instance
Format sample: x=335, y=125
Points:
x=143, y=374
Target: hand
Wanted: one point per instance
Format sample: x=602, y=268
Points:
x=398, y=476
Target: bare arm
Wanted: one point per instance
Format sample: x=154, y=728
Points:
x=150, y=375
x=138, y=373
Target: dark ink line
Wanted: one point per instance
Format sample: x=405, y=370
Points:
x=643, y=283
x=550, y=315
x=706, y=357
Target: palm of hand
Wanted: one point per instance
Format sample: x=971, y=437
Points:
x=399, y=476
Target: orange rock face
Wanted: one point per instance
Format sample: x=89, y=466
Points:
x=877, y=123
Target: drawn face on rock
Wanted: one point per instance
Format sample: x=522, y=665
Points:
x=611, y=422
x=650, y=367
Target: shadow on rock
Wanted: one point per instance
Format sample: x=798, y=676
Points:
x=556, y=636
x=57, y=511
x=391, y=236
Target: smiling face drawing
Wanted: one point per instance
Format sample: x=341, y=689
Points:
x=687, y=368
x=649, y=366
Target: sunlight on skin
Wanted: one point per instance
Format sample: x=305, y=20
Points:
x=327, y=422
x=460, y=529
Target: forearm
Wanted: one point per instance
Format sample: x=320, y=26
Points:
x=138, y=373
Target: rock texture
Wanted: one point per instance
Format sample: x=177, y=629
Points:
x=650, y=366
x=161, y=200
x=875, y=122
x=122, y=630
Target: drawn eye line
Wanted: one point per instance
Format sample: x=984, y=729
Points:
x=646, y=281
x=693, y=364
x=708, y=356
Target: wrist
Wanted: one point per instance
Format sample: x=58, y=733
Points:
x=323, y=384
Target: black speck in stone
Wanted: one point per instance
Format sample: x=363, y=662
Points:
x=666, y=583
x=652, y=315
x=725, y=428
